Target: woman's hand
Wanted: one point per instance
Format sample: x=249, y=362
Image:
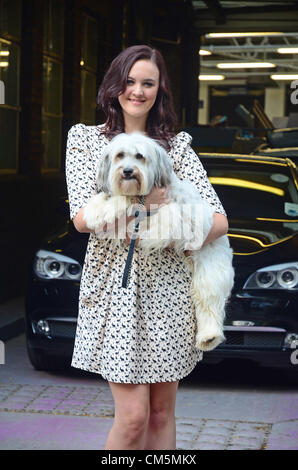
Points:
x=158, y=197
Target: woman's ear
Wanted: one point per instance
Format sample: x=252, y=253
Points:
x=103, y=173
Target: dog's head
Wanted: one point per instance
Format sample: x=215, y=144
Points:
x=132, y=164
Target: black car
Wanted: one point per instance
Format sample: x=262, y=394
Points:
x=260, y=195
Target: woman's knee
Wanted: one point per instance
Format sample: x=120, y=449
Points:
x=161, y=415
x=137, y=419
x=133, y=423
x=132, y=409
x=162, y=404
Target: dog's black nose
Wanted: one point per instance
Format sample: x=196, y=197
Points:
x=127, y=171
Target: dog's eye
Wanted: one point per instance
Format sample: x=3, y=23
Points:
x=139, y=156
x=120, y=155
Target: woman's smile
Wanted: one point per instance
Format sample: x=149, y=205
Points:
x=140, y=93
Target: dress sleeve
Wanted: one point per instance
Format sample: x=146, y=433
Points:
x=188, y=166
x=79, y=168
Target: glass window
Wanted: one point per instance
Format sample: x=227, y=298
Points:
x=88, y=97
x=89, y=61
x=10, y=18
x=10, y=109
x=52, y=85
x=53, y=27
x=52, y=114
x=51, y=139
x=9, y=125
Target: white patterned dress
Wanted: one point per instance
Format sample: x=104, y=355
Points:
x=144, y=333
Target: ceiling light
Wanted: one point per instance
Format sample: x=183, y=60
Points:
x=288, y=50
x=211, y=77
x=284, y=76
x=240, y=35
x=4, y=64
x=4, y=53
x=244, y=65
x=204, y=52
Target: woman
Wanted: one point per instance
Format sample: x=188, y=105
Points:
x=140, y=339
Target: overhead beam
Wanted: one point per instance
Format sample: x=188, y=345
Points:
x=216, y=10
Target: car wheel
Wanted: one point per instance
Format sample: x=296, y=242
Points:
x=41, y=361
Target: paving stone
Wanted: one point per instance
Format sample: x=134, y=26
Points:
x=192, y=433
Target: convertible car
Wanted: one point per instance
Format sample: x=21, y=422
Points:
x=260, y=195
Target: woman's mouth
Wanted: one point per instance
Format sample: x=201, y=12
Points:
x=137, y=102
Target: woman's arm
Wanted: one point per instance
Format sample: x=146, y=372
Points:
x=81, y=226
x=219, y=228
x=157, y=197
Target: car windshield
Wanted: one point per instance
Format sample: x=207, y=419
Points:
x=252, y=190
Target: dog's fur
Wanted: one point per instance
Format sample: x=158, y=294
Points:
x=131, y=165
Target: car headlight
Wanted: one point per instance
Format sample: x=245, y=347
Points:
x=279, y=276
x=50, y=265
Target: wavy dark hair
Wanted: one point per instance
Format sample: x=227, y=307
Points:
x=162, y=120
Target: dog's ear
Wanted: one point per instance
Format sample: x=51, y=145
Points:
x=103, y=173
x=163, y=168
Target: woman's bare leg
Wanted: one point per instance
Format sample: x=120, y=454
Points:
x=132, y=407
x=161, y=431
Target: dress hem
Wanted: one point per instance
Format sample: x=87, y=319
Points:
x=105, y=377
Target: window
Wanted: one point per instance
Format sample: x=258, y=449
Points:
x=52, y=84
x=10, y=33
x=89, y=60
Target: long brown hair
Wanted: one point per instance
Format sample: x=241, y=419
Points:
x=162, y=121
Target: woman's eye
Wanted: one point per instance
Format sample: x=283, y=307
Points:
x=129, y=82
x=148, y=84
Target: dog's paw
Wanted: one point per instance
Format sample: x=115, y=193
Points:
x=208, y=340
x=114, y=208
x=92, y=215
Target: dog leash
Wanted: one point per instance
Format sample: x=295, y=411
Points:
x=127, y=269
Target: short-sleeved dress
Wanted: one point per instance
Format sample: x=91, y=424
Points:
x=143, y=333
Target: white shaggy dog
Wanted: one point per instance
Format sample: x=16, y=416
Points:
x=131, y=165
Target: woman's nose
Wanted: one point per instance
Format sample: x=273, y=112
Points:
x=138, y=90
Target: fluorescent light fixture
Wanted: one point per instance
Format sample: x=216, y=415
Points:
x=244, y=65
x=287, y=50
x=4, y=53
x=204, y=52
x=4, y=64
x=211, y=77
x=240, y=35
x=284, y=76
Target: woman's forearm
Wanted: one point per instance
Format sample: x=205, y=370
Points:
x=81, y=226
x=219, y=228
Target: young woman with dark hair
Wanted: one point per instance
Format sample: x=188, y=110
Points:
x=140, y=339
x=161, y=123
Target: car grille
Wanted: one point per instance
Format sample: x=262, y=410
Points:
x=253, y=340
x=62, y=329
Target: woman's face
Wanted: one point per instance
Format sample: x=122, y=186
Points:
x=141, y=90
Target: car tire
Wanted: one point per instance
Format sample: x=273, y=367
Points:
x=41, y=361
